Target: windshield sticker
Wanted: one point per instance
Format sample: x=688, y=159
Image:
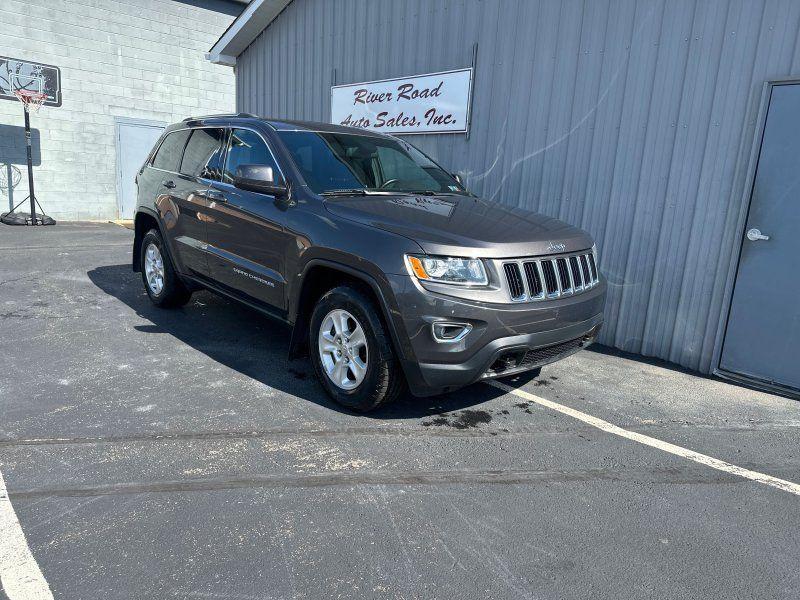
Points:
x=443, y=208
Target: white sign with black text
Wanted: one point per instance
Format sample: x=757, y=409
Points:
x=432, y=103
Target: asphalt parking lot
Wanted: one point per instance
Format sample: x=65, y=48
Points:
x=179, y=454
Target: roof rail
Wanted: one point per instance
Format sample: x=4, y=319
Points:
x=220, y=116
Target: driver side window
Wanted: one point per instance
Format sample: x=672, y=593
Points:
x=246, y=147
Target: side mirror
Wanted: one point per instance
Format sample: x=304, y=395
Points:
x=458, y=178
x=261, y=179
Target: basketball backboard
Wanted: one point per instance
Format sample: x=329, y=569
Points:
x=35, y=77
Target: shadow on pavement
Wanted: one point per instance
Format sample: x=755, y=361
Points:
x=246, y=341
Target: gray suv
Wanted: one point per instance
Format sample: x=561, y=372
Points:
x=390, y=273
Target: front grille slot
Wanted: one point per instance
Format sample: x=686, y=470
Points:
x=593, y=267
x=550, y=278
x=514, y=278
x=550, y=282
x=576, y=271
x=534, y=280
x=587, y=279
x=563, y=273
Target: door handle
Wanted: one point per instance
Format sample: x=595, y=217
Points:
x=168, y=183
x=216, y=196
x=755, y=234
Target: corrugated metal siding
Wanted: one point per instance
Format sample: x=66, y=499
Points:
x=631, y=119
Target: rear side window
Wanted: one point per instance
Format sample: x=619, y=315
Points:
x=246, y=148
x=169, y=153
x=203, y=154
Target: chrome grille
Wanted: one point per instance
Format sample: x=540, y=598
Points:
x=548, y=278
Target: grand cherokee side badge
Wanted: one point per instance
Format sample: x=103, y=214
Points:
x=559, y=247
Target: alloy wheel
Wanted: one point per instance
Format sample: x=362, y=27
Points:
x=154, y=269
x=343, y=349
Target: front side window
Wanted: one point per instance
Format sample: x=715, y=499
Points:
x=168, y=156
x=246, y=148
x=345, y=161
x=203, y=154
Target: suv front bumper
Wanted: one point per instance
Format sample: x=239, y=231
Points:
x=505, y=338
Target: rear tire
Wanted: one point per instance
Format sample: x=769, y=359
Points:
x=351, y=351
x=161, y=282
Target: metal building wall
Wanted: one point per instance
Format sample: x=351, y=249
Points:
x=632, y=119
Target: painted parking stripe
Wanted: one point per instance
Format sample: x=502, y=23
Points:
x=709, y=461
x=20, y=576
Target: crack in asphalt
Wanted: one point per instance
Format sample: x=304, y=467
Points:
x=426, y=431
x=681, y=475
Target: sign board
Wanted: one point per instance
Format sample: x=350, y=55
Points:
x=17, y=74
x=431, y=103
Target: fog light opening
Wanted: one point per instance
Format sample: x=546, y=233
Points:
x=450, y=333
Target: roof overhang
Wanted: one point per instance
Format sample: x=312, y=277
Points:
x=247, y=26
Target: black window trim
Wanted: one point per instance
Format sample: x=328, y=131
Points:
x=228, y=132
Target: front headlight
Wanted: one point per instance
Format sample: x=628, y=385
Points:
x=447, y=269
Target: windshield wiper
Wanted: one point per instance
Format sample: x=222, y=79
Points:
x=357, y=192
x=435, y=193
x=371, y=192
x=353, y=192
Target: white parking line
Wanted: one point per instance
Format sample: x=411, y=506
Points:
x=20, y=576
x=709, y=461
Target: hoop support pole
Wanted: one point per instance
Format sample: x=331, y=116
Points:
x=29, y=152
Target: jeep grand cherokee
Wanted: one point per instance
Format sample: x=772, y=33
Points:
x=389, y=271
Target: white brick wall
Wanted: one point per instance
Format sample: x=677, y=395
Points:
x=118, y=58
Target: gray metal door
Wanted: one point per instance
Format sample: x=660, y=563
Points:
x=762, y=340
x=135, y=139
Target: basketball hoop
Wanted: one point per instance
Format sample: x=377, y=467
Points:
x=33, y=84
x=31, y=101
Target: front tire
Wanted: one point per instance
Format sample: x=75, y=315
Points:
x=351, y=351
x=161, y=282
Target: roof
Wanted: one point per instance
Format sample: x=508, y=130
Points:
x=246, y=27
x=282, y=124
x=291, y=125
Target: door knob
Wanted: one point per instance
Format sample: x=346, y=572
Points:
x=216, y=196
x=755, y=234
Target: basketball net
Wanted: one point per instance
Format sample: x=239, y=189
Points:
x=31, y=101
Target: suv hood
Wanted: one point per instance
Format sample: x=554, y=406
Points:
x=462, y=225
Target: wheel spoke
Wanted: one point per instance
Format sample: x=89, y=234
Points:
x=337, y=326
x=357, y=338
x=343, y=318
x=359, y=369
x=340, y=373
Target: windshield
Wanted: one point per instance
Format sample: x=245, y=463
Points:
x=331, y=162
